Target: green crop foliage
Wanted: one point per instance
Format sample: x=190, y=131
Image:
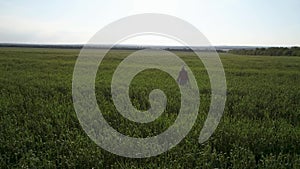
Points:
x=260, y=127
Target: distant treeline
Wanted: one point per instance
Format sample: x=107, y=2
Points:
x=272, y=51
x=116, y=47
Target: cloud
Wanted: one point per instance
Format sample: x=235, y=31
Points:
x=21, y=29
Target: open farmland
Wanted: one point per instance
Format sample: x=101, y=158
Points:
x=260, y=127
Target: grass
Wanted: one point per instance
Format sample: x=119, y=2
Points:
x=260, y=127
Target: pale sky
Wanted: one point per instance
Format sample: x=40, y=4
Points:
x=223, y=22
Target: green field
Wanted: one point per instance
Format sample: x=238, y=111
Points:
x=260, y=127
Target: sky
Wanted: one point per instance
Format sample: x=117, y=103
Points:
x=223, y=22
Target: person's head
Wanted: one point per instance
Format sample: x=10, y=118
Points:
x=182, y=68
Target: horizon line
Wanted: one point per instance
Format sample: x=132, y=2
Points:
x=135, y=45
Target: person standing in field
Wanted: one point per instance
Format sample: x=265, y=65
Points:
x=183, y=78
